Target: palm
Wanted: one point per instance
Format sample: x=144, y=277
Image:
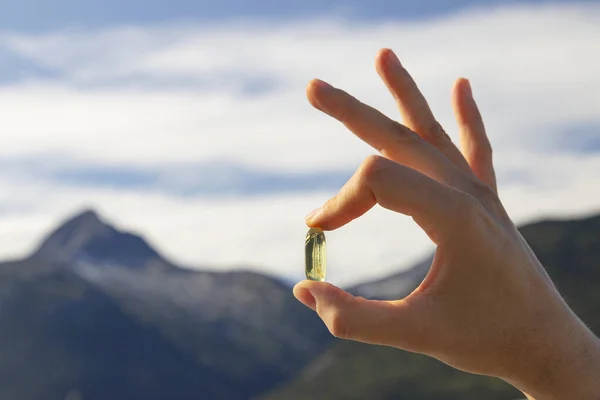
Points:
x=486, y=295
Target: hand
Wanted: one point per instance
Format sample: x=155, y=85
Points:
x=487, y=305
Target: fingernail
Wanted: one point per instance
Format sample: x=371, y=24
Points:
x=393, y=58
x=311, y=215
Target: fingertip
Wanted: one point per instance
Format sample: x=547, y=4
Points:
x=386, y=60
x=315, y=90
x=323, y=221
x=305, y=284
x=310, y=293
x=311, y=93
x=381, y=56
x=318, y=222
x=462, y=102
x=320, y=217
x=382, y=53
x=316, y=288
x=311, y=215
x=304, y=296
x=463, y=86
x=316, y=84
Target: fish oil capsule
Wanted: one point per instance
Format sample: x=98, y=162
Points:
x=316, y=255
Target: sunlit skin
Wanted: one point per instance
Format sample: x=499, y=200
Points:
x=487, y=305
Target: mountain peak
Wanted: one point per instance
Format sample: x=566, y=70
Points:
x=88, y=221
x=86, y=236
x=86, y=215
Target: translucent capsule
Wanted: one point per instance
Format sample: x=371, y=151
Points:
x=316, y=255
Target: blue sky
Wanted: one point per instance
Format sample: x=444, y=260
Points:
x=187, y=121
x=39, y=15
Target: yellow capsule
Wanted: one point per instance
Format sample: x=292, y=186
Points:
x=316, y=255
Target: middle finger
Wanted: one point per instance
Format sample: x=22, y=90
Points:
x=415, y=110
x=391, y=139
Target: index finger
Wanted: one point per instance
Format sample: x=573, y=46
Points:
x=436, y=208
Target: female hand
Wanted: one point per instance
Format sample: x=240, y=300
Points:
x=487, y=305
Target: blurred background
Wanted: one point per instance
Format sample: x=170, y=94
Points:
x=158, y=158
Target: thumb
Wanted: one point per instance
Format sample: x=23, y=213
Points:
x=392, y=323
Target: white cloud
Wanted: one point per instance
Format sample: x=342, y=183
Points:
x=538, y=59
x=265, y=233
x=534, y=72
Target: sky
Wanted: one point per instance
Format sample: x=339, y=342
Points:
x=187, y=122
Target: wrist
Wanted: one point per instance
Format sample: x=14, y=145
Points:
x=562, y=363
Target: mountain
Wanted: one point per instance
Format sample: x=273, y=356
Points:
x=62, y=335
x=86, y=236
x=96, y=313
x=395, y=286
x=570, y=251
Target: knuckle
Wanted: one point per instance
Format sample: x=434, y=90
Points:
x=484, y=192
x=489, y=200
x=474, y=214
x=404, y=134
x=437, y=135
x=372, y=167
